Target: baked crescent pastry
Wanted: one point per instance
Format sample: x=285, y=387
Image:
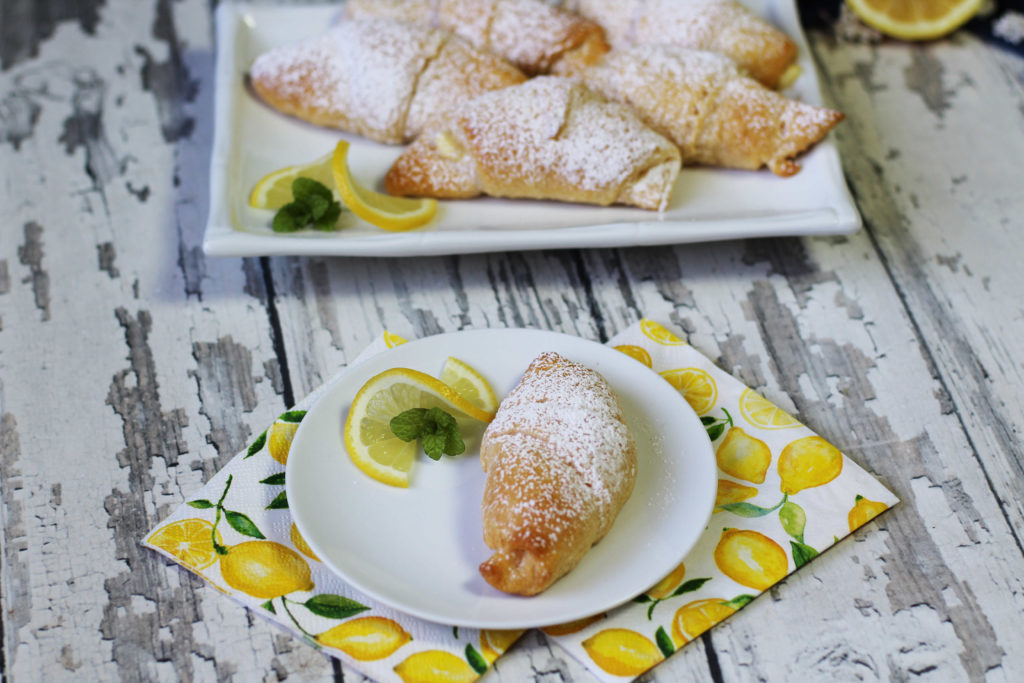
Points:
x=560, y=464
x=380, y=78
x=531, y=34
x=548, y=138
x=715, y=114
x=722, y=26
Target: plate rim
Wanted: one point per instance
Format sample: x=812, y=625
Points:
x=224, y=235
x=494, y=622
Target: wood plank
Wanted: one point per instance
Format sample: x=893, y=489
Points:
x=894, y=343
x=948, y=228
x=163, y=368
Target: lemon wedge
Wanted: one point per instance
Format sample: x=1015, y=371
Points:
x=760, y=412
x=372, y=445
x=469, y=384
x=189, y=540
x=913, y=20
x=274, y=190
x=396, y=214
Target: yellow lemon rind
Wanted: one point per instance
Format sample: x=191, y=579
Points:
x=361, y=200
x=359, y=452
x=916, y=29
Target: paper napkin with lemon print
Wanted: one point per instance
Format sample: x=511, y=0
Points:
x=784, y=495
x=236, y=532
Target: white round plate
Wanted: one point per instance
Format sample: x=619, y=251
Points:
x=418, y=549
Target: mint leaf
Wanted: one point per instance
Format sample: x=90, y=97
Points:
x=433, y=444
x=314, y=204
x=317, y=205
x=438, y=431
x=306, y=190
x=453, y=443
x=442, y=420
x=328, y=219
x=410, y=425
x=291, y=217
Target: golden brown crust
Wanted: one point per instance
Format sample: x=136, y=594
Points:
x=380, y=78
x=560, y=465
x=715, y=114
x=548, y=138
x=722, y=26
x=530, y=34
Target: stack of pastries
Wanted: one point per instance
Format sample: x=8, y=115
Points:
x=595, y=101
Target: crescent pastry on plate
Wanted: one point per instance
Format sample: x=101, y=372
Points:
x=548, y=138
x=533, y=35
x=722, y=26
x=714, y=113
x=560, y=464
x=380, y=78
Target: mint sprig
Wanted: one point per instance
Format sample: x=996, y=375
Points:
x=437, y=429
x=314, y=204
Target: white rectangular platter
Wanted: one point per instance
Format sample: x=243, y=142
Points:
x=251, y=140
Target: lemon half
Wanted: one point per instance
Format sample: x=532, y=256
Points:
x=915, y=20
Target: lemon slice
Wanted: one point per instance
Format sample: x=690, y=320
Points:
x=369, y=440
x=469, y=384
x=274, y=190
x=761, y=412
x=395, y=214
x=915, y=20
x=696, y=386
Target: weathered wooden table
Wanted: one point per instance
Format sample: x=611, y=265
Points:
x=132, y=368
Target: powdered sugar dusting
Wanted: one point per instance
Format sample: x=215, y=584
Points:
x=553, y=137
x=362, y=73
x=531, y=34
x=722, y=26
x=709, y=108
x=562, y=435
